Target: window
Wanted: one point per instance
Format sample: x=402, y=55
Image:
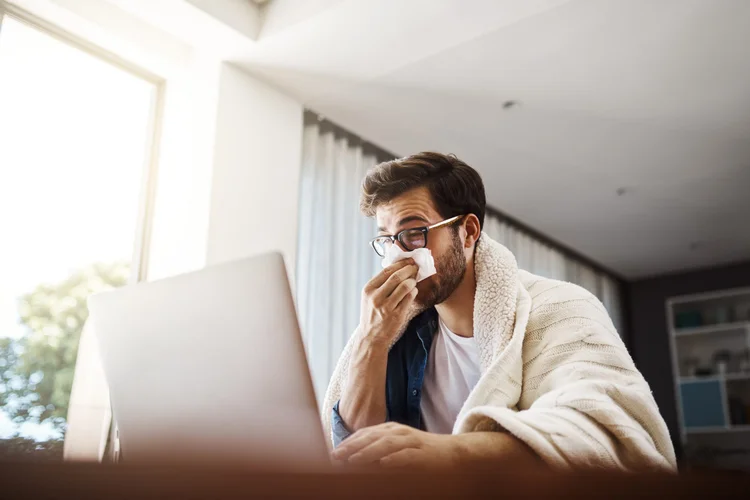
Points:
x=76, y=176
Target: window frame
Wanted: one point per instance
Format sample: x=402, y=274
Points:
x=149, y=171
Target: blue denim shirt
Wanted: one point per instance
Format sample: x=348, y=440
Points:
x=407, y=360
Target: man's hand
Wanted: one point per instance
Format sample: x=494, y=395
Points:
x=387, y=302
x=396, y=445
x=387, y=307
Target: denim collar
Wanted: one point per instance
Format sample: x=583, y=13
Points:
x=425, y=324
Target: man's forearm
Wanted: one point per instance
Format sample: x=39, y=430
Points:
x=398, y=445
x=491, y=447
x=363, y=398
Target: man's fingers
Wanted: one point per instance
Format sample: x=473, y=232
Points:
x=395, y=279
x=380, y=278
x=407, y=300
x=352, y=445
x=364, y=437
x=402, y=290
x=356, y=442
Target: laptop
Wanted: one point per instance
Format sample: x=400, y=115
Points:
x=210, y=366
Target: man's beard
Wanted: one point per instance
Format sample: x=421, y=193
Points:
x=450, y=268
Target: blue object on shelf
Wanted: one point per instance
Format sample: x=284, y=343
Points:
x=701, y=404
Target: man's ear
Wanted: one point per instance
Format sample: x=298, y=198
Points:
x=473, y=230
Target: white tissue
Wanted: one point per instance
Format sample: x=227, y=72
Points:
x=422, y=257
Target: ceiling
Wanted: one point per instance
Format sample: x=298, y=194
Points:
x=631, y=140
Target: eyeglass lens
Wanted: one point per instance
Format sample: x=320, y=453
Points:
x=409, y=239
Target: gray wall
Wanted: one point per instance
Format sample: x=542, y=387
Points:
x=648, y=338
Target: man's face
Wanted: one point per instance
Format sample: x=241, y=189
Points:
x=415, y=209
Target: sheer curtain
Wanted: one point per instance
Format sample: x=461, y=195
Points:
x=537, y=257
x=333, y=259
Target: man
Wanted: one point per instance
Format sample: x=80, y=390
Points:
x=482, y=361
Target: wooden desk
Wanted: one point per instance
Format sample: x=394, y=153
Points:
x=84, y=481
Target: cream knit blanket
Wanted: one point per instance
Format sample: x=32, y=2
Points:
x=555, y=373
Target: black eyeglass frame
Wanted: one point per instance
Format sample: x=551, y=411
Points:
x=399, y=236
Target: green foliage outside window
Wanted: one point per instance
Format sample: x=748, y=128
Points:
x=36, y=369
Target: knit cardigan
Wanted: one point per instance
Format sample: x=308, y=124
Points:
x=554, y=373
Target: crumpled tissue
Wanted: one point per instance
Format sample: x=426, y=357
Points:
x=422, y=258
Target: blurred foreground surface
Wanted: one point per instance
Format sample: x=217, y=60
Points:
x=82, y=481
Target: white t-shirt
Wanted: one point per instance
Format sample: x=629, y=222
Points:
x=452, y=372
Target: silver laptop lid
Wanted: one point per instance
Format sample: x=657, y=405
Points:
x=210, y=365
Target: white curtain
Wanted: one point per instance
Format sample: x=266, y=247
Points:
x=334, y=260
x=539, y=258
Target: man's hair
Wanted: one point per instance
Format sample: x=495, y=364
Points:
x=455, y=187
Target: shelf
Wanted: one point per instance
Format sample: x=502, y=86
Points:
x=705, y=378
x=736, y=376
x=701, y=330
x=708, y=404
x=713, y=378
x=705, y=297
x=718, y=430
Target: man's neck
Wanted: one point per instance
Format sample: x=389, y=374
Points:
x=458, y=311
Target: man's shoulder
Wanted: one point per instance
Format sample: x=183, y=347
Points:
x=546, y=290
x=555, y=302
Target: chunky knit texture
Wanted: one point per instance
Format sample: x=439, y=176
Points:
x=555, y=373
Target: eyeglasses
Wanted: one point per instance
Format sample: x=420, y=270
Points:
x=410, y=239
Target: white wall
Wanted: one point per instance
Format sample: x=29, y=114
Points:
x=256, y=164
x=179, y=234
